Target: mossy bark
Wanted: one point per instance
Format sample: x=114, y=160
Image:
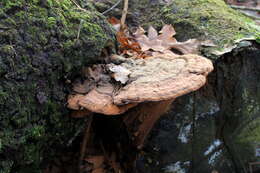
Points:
x=43, y=43
x=201, y=19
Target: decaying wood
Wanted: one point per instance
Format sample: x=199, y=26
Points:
x=245, y=8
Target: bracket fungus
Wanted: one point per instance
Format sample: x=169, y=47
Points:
x=140, y=88
x=117, y=88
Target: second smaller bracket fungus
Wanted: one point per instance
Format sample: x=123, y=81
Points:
x=156, y=78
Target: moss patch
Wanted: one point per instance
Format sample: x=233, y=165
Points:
x=201, y=19
x=42, y=44
x=209, y=19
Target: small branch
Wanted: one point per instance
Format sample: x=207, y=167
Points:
x=114, y=6
x=124, y=13
x=79, y=7
x=245, y=8
x=75, y=135
x=79, y=29
x=251, y=16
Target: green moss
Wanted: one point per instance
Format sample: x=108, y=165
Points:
x=7, y=49
x=39, y=51
x=208, y=19
x=258, y=38
x=51, y=21
x=6, y=166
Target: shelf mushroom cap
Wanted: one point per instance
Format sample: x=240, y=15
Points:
x=161, y=77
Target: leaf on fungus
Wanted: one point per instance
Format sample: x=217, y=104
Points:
x=139, y=31
x=152, y=33
x=120, y=73
x=167, y=32
x=188, y=47
x=165, y=41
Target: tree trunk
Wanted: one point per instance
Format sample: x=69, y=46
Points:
x=45, y=43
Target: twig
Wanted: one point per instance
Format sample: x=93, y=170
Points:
x=79, y=29
x=114, y=6
x=245, y=8
x=251, y=16
x=79, y=7
x=124, y=13
x=84, y=143
x=75, y=135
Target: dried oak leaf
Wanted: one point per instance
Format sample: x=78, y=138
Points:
x=115, y=23
x=165, y=41
x=120, y=73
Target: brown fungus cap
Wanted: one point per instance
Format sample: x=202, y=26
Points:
x=161, y=77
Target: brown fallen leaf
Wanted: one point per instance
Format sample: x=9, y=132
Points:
x=152, y=33
x=190, y=46
x=166, y=32
x=139, y=31
x=120, y=73
x=115, y=23
x=165, y=41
